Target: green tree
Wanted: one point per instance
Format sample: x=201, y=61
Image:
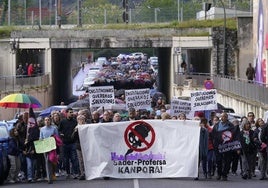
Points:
x=160, y=3
x=167, y=10
x=93, y=12
x=94, y=3
x=17, y=8
x=4, y=11
x=238, y=4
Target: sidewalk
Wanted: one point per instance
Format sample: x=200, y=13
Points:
x=79, y=79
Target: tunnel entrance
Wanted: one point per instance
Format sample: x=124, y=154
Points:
x=66, y=62
x=25, y=57
x=61, y=73
x=199, y=59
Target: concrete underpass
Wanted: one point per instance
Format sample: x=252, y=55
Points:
x=55, y=53
x=62, y=65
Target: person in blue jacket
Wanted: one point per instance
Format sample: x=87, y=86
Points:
x=13, y=155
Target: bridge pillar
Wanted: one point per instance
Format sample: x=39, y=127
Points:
x=48, y=62
x=164, y=71
x=13, y=59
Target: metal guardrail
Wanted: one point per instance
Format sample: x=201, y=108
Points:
x=240, y=87
x=15, y=83
x=25, y=14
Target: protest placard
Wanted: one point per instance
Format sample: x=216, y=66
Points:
x=45, y=145
x=138, y=99
x=178, y=106
x=204, y=100
x=101, y=96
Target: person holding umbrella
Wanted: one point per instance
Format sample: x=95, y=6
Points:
x=21, y=127
x=26, y=126
x=29, y=149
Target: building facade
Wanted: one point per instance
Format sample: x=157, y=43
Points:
x=260, y=39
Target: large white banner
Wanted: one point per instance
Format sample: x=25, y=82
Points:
x=140, y=149
x=204, y=100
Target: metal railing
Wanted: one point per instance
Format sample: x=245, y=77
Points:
x=240, y=87
x=47, y=14
x=252, y=91
x=17, y=83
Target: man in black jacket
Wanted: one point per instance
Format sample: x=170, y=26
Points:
x=225, y=140
x=66, y=128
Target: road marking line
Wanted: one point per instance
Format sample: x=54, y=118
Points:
x=136, y=183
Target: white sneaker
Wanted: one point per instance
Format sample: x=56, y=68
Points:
x=11, y=181
x=75, y=176
x=63, y=173
x=21, y=175
x=40, y=179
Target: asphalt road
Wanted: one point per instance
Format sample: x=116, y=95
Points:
x=234, y=181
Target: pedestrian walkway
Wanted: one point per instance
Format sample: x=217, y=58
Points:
x=79, y=79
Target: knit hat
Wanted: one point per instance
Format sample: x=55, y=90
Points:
x=200, y=114
x=32, y=119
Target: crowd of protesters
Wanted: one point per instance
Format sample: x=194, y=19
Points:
x=28, y=70
x=127, y=73
x=28, y=166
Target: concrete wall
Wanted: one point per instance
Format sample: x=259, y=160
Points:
x=219, y=64
x=103, y=33
x=6, y=61
x=260, y=36
x=245, y=45
x=240, y=105
x=42, y=94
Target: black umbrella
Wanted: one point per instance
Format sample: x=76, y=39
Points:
x=81, y=103
x=158, y=95
x=119, y=92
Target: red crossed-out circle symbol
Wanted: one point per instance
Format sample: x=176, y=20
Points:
x=132, y=130
x=226, y=136
x=208, y=84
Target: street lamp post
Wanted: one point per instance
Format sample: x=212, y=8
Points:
x=155, y=14
x=9, y=11
x=40, y=13
x=25, y=12
x=79, y=18
x=178, y=10
x=224, y=41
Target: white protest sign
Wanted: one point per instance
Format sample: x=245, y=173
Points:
x=140, y=149
x=178, y=106
x=138, y=99
x=204, y=100
x=101, y=96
